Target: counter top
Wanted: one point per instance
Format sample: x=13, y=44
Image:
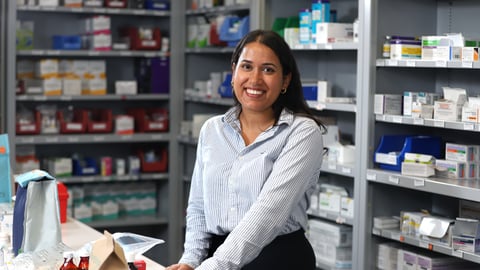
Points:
x=75, y=234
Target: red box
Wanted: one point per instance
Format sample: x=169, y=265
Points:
x=29, y=128
x=150, y=120
x=78, y=125
x=160, y=165
x=100, y=121
x=143, y=38
x=116, y=3
x=62, y=201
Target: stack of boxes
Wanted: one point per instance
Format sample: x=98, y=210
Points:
x=97, y=33
x=332, y=244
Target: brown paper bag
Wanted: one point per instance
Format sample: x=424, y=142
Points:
x=107, y=254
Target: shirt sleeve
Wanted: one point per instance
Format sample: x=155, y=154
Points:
x=295, y=171
x=196, y=237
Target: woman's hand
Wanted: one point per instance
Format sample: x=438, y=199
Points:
x=179, y=266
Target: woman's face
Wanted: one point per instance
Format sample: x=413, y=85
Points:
x=258, y=78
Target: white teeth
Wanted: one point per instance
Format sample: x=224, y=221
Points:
x=253, y=92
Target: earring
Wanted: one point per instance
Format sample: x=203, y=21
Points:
x=231, y=83
x=283, y=91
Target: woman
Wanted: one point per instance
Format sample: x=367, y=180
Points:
x=256, y=167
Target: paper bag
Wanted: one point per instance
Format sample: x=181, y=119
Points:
x=107, y=254
x=36, y=214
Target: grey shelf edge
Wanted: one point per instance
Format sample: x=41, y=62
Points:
x=400, y=119
x=416, y=63
x=340, y=107
x=96, y=10
x=91, y=138
x=326, y=46
x=91, y=53
x=468, y=189
x=208, y=50
x=129, y=221
x=112, y=178
x=219, y=9
x=324, y=266
x=215, y=101
x=335, y=217
x=108, y=97
x=338, y=168
x=415, y=241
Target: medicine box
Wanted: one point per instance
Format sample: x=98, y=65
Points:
x=447, y=110
x=47, y=68
x=461, y=152
x=408, y=99
x=420, y=110
x=405, y=49
x=330, y=201
x=410, y=222
x=470, y=114
x=346, y=207
x=436, y=48
x=407, y=260
x=470, y=54
x=437, y=230
x=388, y=104
x=337, y=235
x=466, y=235
x=450, y=169
x=334, y=32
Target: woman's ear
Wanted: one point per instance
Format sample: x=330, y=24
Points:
x=286, y=80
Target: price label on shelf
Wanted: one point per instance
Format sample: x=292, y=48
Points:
x=332, y=166
x=371, y=176
x=98, y=138
x=457, y=253
x=441, y=63
x=73, y=139
x=346, y=170
x=393, y=179
x=439, y=123
x=426, y=245
x=411, y=63
x=419, y=121
x=467, y=64
x=397, y=119
x=418, y=182
x=390, y=62
x=52, y=139
x=468, y=126
x=328, y=46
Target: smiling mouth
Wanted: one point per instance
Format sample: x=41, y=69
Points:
x=253, y=92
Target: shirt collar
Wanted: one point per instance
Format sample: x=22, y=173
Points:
x=231, y=117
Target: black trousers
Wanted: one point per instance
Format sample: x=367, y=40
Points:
x=285, y=252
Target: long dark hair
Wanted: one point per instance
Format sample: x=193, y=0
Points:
x=293, y=98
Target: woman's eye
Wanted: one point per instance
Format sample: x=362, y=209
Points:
x=268, y=70
x=246, y=66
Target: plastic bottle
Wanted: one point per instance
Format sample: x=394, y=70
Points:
x=84, y=260
x=68, y=263
x=386, y=47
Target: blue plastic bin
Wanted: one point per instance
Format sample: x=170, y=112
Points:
x=233, y=29
x=391, y=151
x=86, y=166
x=67, y=42
x=225, y=89
x=157, y=4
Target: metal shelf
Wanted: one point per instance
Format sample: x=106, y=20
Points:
x=468, y=189
x=91, y=53
x=91, y=138
x=417, y=63
x=209, y=50
x=108, y=97
x=400, y=119
x=395, y=234
x=338, y=168
x=217, y=10
x=112, y=178
x=208, y=100
x=327, y=46
x=96, y=10
x=129, y=221
x=340, y=107
x=335, y=217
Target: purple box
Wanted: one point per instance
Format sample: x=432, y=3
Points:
x=160, y=75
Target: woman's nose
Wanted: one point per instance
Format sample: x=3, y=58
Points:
x=256, y=76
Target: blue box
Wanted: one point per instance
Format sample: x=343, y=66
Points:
x=390, y=153
x=157, y=5
x=310, y=91
x=67, y=42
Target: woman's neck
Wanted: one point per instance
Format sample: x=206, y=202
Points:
x=253, y=124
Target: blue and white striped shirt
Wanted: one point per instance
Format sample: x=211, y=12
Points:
x=253, y=192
